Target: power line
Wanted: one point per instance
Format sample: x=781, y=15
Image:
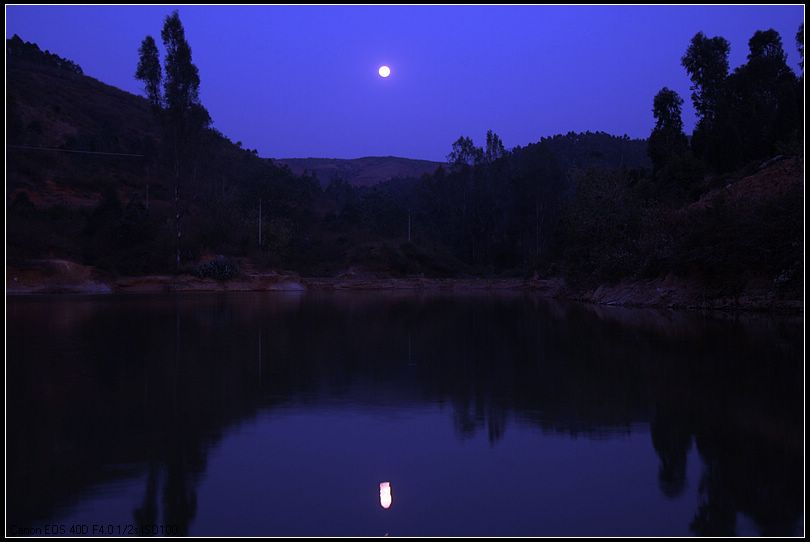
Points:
x=29, y=148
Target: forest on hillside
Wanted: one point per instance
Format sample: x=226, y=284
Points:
x=723, y=204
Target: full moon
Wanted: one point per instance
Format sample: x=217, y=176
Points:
x=384, y=71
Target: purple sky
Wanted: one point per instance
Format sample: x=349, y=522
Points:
x=301, y=81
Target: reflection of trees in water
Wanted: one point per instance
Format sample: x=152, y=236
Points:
x=564, y=368
x=721, y=384
x=716, y=514
x=175, y=473
x=179, y=477
x=745, y=472
x=147, y=513
x=671, y=439
x=134, y=385
x=742, y=407
x=470, y=416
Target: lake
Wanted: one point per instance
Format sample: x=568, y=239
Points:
x=485, y=414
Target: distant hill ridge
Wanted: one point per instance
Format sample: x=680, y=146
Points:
x=89, y=115
x=364, y=171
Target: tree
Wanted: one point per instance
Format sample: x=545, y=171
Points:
x=800, y=45
x=494, y=149
x=762, y=105
x=464, y=153
x=767, y=44
x=706, y=61
x=182, y=84
x=667, y=139
x=149, y=71
x=179, y=109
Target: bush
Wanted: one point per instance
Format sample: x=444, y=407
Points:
x=220, y=268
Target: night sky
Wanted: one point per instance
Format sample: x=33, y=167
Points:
x=301, y=81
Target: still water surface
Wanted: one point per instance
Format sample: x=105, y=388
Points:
x=282, y=414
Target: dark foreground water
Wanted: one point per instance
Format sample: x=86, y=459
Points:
x=281, y=414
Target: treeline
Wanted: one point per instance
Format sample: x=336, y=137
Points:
x=752, y=113
x=16, y=49
x=490, y=211
x=590, y=207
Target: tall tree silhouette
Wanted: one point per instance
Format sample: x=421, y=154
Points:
x=706, y=62
x=762, y=105
x=179, y=109
x=464, y=153
x=149, y=71
x=767, y=44
x=182, y=84
x=667, y=140
x=494, y=149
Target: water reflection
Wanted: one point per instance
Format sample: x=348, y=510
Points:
x=385, y=495
x=143, y=389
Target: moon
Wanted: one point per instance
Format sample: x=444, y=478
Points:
x=384, y=71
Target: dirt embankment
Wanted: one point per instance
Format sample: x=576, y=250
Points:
x=53, y=276
x=681, y=293
x=62, y=276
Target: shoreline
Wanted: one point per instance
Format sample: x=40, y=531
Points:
x=663, y=293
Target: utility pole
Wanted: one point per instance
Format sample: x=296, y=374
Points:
x=260, y=222
x=148, y=176
x=537, y=229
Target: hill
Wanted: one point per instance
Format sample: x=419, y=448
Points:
x=90, y=188
x=50, y=104
x=365, y=171
x=90, y=180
